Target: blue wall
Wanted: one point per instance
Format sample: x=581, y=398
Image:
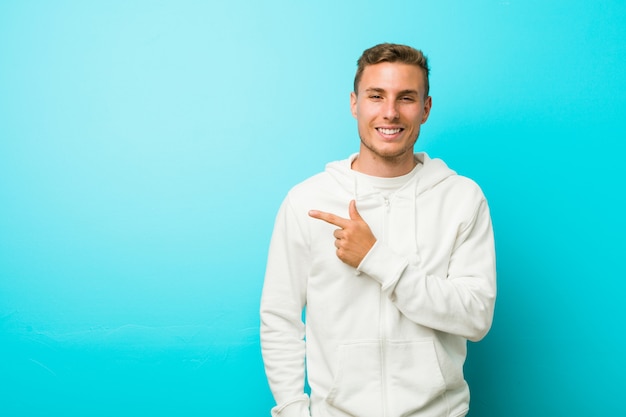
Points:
x=145, y=147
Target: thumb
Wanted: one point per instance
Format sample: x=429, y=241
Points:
x=354, y=213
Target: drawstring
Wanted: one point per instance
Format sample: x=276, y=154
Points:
x=354, y=180
x=414, y=213
x=355, y=193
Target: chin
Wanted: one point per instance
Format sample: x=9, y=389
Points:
x=393, y=152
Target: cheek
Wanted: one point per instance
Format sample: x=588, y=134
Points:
x=417, y=118
x=368, y=113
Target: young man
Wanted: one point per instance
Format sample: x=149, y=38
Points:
x=391, y=253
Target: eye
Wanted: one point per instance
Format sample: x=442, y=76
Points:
x=407, y=99
x=375, y=97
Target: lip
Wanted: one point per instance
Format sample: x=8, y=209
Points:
x=389, y=132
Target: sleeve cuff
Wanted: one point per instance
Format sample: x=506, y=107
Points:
x=383, y=265
x=298, y=407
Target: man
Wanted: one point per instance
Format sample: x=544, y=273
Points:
x=391, y=256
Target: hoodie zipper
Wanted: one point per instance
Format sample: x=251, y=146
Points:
x=383, y=324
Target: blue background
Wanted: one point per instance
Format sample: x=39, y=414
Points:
x=145, y=147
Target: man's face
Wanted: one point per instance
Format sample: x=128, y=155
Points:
x=390, y=108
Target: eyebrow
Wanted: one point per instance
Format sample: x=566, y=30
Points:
x=382, y=90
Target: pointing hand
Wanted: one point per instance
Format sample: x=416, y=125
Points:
x=353, y=239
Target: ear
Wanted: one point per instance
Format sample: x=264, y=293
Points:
x=353, y=100
x=428, y=103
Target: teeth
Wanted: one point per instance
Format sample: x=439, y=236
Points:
x=389, y=131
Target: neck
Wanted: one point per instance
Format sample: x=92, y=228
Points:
x=382, y=167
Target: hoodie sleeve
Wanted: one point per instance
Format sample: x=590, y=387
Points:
x=282, y=328
x=460, y=303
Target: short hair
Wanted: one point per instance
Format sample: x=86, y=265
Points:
x=391, y=52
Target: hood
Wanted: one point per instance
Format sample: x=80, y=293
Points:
x=432, y=172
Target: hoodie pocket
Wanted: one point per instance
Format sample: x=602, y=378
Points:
x=414, y=377
x=357, y=388
x=393, y=377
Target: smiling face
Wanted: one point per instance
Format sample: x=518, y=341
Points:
x=390, y=107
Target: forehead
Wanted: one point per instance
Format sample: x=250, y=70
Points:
x=392, y=76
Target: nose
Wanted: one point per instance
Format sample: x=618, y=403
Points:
x=390, y=111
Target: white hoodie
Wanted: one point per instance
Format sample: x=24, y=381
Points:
x=387, y=339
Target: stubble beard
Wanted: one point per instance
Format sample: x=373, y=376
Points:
x=393, y=158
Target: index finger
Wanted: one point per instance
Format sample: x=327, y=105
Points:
x=329, y=218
